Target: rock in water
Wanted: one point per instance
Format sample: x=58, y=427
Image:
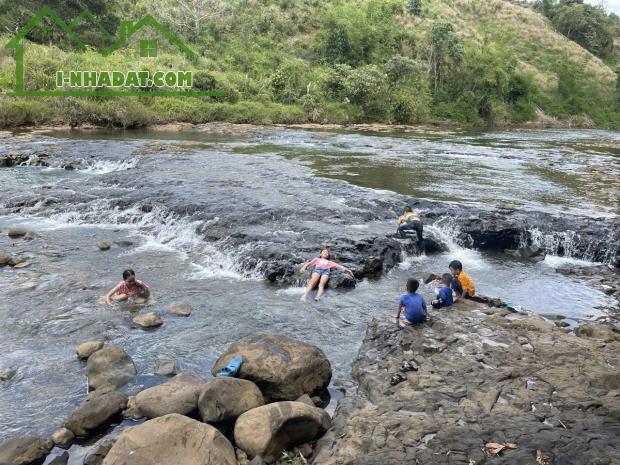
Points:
x=179, y=395
x=86, y=349
x=99, y=452
x=282, y=368
x=171, y=439
x=7, y=374
x=165, y=366
x=61, y=459
x=4, y=259
x=16, y=232
x=272, y=428
x=103, y=245
x=25, y=450
x=99, y=409
x=180, y=310
x=110, y=365
x=148, y=320
x=224, y=399
x=530, y=252
x=63, y=437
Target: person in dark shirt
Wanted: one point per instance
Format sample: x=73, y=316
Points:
x=444, y=293
x=412, y=305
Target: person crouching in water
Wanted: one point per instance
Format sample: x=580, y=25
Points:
x=467, y=285
x=129, y=288
x=408, y=223
x=320, y=274
x=444, y=293
x=412, y=305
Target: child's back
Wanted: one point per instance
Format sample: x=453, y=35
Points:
x=414, y=305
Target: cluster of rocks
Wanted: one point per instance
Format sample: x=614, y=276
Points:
x=274, y=404
x=37, y=158
x=492, y=386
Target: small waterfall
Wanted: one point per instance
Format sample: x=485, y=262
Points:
x=569, y=245
x=447, y=230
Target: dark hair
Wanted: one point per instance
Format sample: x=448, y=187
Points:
x=407, y=209
x=456, y=265
x=447, y=278
x=412, y=285
x=127, y=274
x=329, y=254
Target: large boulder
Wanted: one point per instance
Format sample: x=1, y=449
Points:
x=16, y=232
x=268, y=430
x=110, y=365
x=98, y=409
x=25, y=450
x=224, y=399
x=171, y=439
x=282, y=368
x=179, y=395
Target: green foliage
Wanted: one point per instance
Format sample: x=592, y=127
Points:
x=445, y=52
x=414, y=7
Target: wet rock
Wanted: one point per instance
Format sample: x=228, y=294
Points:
x=165, y=366
x=148, y=320
x=171, y=439
x=222, y=400
x=306, y=399
x=61, y=459
x=272, y=428
x=282, y=368
x=103, y=245
x=109, y=365
x=180, y=310
x=86, y=349
x=531, y=252
x=99, y=452
x=29, y=236
x=16, y=232
x=63, y=437
x=98, y=409
x=24, y=450
x=4, y=260
x=7, y=375
x=124, y=243
x=179, y=395
x=600, y=332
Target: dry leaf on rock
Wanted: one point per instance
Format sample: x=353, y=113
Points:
x=542, y=459
x=493, y=449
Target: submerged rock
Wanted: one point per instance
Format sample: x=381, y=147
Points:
x=7, y=375
x=165, y=366
x=224, y=399
x=282, y=368
x=268, y=430
x=86, y=349
x=148, y=320
x=530, y=252
x=180, y=310
x=171, y=439
x=109, y=365
x=179, y=395
x=4, y=260
x=98, y=409
x=24, y=450
x=103, y=245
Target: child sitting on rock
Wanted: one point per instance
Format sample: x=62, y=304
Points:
x=444, y=293
x=129, y=288
x=412, y=307
x=467, y=285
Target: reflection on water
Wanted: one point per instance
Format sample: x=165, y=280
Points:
x=52, y=305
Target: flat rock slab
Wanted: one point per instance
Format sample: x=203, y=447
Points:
x=25, y=450
x=171, y=439
x=110, y=365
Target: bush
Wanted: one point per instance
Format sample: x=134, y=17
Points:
x=414, y=7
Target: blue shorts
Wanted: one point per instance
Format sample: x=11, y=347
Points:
x=321, y=271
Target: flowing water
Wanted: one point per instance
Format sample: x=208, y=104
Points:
x=172, y=199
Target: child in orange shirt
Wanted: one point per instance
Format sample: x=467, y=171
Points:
x=469, y=289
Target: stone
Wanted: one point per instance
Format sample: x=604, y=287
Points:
x=99, y=452
x=223, y=399
x=531, y=252
x=103, y=245
x=165, y=366
x=109, y=365
x=600, y=332
x=98, y=410
x=171, y=439
x=16, y=232
x=63, y=437
x=29, y=236
x=272, y=428
x=4, y=260
x=61, y=459
x=7, y=375
x=282, y=368
x=86, y=349
x=306, y=399
x=24, y=450
x=180, y=310
x=148, y=320
x=179, y=395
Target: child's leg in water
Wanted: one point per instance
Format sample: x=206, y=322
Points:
x=322, y=284
x=311, y=283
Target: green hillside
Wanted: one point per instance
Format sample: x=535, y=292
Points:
x=468, y=62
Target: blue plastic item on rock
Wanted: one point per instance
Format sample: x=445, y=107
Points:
x=232, y=368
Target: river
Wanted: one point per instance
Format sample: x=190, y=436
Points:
x=169, y=202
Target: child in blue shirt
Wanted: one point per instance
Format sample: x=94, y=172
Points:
x=444, y=293
x=412, y=304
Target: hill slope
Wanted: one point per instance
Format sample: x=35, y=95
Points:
x=473, y=62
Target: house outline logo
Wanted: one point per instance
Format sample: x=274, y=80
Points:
x=127, y=30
